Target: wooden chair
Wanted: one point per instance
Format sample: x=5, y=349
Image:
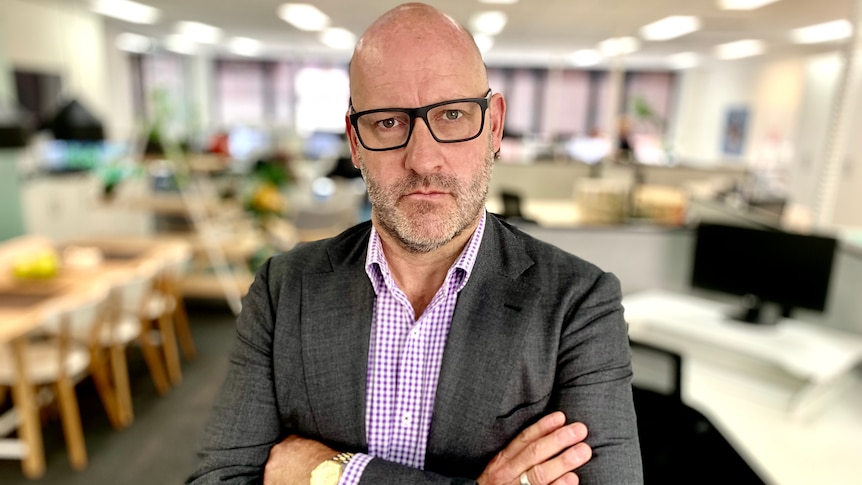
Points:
x=163, y=307
x=130, y=323
x=175, y=264
x=54, y=360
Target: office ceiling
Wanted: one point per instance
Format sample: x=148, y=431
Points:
x=537, y=32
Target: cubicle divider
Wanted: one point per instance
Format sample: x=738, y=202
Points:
x=646, y=257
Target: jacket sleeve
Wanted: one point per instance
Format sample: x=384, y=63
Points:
x=244, y=423
x=594, y=384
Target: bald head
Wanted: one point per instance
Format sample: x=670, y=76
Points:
x=409, y=48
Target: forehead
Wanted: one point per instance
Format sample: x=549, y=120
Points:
x=405, y=67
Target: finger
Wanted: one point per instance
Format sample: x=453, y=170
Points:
x=567, y=479
x=558, y=469
x=541, y=428
x=548, y=447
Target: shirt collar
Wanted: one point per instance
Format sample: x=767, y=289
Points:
x=376, y=266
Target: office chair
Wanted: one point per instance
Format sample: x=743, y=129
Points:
x=512, y=208
x=678, y=443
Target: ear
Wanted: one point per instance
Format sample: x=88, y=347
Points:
x=351, y=138
x=497, y=117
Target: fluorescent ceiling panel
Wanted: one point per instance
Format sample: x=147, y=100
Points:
x=740, y=49
x=484, y=42
x=618, y=46
x=245, y=46
x=743, y=4
x=825, y=32
x=488, y=23
x=670, y=27
x=199, y=32
x=304, y=16
x=180, y=44
x=683, y=60
x=130, y=42
x=126, y=10
x=585, y=57
x=338, y=38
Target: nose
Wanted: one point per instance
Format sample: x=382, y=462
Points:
x=422, y=153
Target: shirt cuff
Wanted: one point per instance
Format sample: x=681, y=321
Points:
x=354, y=468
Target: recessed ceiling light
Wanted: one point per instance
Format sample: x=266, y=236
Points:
x=618, y=46
x=585, y=57
x=180, y=44
x=126, y=10
x=244, y=46
x=199, y=32
x=683, y=60
x=130, y=42
x=484, y=42
x=304, y=16
x=743, y=4
x=488, y=23
x=825, y=32
x=670, y=27
x=338, y=38
x=740, y=49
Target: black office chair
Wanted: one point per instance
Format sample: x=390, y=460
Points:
x=678, y=444
x=512, y=208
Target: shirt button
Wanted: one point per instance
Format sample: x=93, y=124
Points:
x=406, y=419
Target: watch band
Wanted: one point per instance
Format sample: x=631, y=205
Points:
x=343, y=457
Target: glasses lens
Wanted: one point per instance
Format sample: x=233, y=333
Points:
x=456, y=121
x=384, y=129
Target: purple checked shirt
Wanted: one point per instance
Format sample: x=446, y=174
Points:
x=404, y=360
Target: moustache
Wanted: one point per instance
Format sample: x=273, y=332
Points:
x=414, y=181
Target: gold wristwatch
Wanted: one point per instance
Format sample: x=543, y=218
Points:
x=329, y=472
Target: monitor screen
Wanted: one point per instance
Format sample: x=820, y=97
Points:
x=791, y=270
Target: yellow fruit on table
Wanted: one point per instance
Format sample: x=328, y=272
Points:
x=41, y=265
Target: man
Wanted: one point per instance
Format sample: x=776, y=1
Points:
x=435, y=344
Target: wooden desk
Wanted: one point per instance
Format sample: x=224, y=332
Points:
x=20, y=318
x=751, y=392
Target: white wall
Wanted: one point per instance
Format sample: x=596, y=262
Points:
x=704, y=98
x=790, y=104
x=771, y=90
x=121, y=122
x=821, y=75
x=61, y=37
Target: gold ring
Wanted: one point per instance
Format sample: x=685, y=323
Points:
x=524, y=480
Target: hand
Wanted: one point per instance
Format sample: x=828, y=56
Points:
x=548, y=452
x=291, y=461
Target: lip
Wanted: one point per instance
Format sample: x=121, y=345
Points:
x=425, y=194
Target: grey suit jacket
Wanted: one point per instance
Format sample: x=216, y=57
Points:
x=535, y=330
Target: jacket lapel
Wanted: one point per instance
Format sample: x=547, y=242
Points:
x=485, y=328
x=336, y=326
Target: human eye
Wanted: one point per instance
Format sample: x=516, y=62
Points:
x=387, y=124
x=386, y=121
x=452, y=114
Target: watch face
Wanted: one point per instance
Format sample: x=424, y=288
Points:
x=327, y=473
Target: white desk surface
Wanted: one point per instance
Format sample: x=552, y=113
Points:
x=749, y=405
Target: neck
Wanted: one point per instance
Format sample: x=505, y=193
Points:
x=420, y=275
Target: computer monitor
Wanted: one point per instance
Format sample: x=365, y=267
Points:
x=773, y=271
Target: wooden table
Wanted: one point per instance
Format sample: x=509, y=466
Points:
x=22, y=304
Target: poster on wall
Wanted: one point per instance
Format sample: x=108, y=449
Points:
x=735, y=127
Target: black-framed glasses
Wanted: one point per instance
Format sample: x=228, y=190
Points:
x=451, y=121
